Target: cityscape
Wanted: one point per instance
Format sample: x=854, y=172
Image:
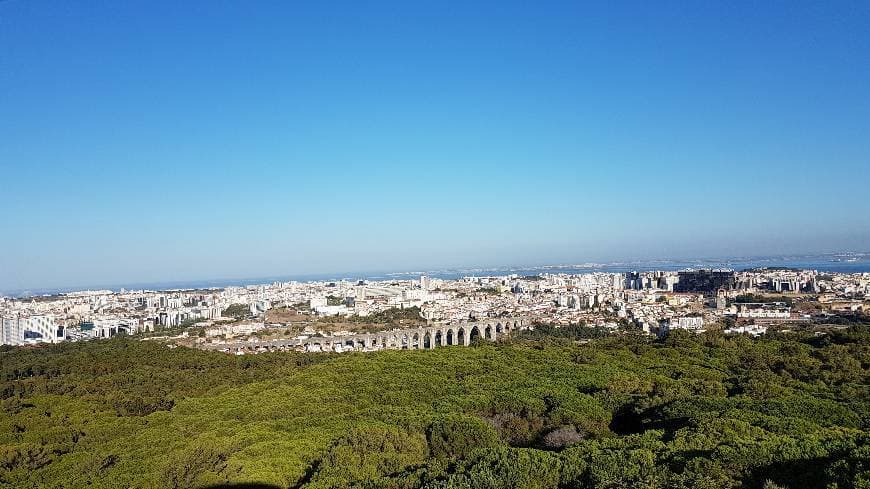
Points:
x=287, y=315
x=434, y=245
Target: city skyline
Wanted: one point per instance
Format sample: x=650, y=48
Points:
x=842, y=261
x=159, y=142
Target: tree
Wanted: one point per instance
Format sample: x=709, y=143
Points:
x=237, y=311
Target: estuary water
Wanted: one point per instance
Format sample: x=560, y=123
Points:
x=839, y=263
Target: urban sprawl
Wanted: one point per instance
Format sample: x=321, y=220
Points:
x=310, y=315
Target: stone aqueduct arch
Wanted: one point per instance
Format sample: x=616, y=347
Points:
x=425, y=338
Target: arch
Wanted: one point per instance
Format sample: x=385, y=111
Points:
x=427, y=340
x=487, y=332
x=474, y=334
x=349, y=342
x=451, y=338
x=498, y=328
x=439, y=338
x=360, y=344
x=406, y=342
x=415, y=341
x=460, y=337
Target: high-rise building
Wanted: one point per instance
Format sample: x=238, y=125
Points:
x=10, y=331
x=705, y=281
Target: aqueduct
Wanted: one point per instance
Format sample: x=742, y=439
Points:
x=423, y=338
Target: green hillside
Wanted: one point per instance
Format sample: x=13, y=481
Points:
x=689, y=412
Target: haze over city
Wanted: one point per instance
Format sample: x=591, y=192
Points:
x=158, y=141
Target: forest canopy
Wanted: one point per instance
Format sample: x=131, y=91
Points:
x=708, y=411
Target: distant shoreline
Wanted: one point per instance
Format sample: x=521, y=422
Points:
x=833, y=263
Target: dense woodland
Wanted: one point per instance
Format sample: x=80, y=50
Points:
x=539, y=411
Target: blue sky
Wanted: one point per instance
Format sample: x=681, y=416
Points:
x=161, y=141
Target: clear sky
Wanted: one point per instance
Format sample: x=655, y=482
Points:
x=164, y=140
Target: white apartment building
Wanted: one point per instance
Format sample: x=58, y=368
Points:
x=19, y=330
x=763, y=311
x=695, y=324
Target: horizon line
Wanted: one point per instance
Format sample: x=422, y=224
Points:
x=325, y=276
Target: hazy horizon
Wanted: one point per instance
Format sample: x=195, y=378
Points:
x=160, y=141
x=188, y=282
